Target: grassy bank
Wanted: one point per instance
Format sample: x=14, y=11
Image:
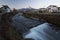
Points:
x=51, y=18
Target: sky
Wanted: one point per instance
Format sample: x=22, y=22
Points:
x=29, y=3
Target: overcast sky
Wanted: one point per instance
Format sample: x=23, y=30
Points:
x=26, y=3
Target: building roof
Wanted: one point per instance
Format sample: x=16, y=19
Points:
x=52, y=6
x=5, y=6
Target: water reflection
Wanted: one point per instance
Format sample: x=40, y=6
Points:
x=23, y=24
x=43, y=32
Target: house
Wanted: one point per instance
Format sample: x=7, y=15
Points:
x=58, y=9
x=5, y=9
x=42, y=10
x=52, y=8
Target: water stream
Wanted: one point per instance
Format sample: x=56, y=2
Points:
x=35, y=29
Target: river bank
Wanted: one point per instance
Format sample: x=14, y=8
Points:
x=50, y=18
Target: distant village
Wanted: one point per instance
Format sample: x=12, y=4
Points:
x=50, y=8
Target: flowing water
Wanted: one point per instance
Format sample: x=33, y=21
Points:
x=35, y=29
x=43, y=32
